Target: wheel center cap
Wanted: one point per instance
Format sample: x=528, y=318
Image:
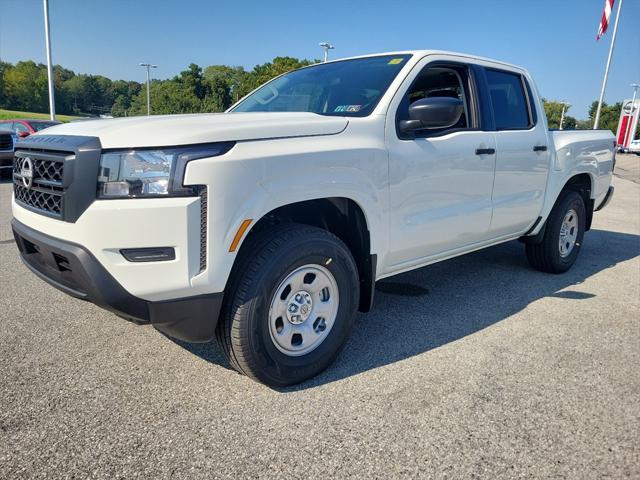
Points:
x=299, y=307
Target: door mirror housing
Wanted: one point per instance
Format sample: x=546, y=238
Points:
x=432, y=113
x=23, y=134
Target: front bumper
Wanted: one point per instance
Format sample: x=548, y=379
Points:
x=74, y=270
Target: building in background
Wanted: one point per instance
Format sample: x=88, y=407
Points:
x=628, y=123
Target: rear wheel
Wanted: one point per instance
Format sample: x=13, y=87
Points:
x=560, y=246
x=290, y=305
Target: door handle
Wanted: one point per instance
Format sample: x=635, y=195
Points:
x=540, y=148
x=485, y=151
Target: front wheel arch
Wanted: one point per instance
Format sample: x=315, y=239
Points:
x=343, y=217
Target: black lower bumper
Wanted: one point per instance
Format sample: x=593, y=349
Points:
x=74, y=270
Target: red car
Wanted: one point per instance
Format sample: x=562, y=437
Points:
x=24, y=127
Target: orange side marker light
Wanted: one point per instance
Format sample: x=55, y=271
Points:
x=239, y=234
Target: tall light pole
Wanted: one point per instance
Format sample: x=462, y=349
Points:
x=635, y=87
x=565, y=106
x=47, y=39
x=148, y=66
x=326, y=47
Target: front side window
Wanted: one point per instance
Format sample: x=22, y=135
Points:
x=439, y=81
x=345, y=88
x=508, y=99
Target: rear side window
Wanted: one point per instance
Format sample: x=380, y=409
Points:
x=509, y=101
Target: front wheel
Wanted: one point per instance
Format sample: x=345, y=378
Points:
x=559, y=248
x=290, y=305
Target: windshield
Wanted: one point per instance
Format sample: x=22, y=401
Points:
x=346, y=88
x=37, y=126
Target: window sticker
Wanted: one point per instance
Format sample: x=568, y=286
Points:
x=348, y=108
x=395, y=61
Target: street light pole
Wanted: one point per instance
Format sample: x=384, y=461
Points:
x=148, y=67
x=326, y=47
x=635, y=87
x=565, y=106
x=47, y=39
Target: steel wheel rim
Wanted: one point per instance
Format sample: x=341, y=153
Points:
x=303, y=310
x=568, y=233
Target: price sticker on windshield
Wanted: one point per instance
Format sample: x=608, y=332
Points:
x=348, y=108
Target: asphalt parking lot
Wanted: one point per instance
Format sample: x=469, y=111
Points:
x=475, y=367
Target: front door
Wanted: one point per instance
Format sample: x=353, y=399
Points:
x=441, y=180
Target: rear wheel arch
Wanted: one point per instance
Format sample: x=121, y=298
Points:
x=582, y=184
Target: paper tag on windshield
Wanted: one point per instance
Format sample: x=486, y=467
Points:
x=348, y=108
x=395, y=61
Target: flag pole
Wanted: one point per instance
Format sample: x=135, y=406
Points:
x=606, y=70
x=47, y=39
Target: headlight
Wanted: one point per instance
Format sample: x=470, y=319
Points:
x=150, y=172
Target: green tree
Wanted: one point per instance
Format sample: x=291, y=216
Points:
x=609, y=115
x=193, y=80
x=584, y=125
x=232, y=77
x=167, y=97
x=4, y=66
x=265, y=72
x=121, y=106
x=25, y=87
x=218, y=98
x=553, y=110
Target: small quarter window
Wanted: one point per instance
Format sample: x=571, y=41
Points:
x=508, y=99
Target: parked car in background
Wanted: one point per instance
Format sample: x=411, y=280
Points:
x=634, y=147
x=6, y=151
x=24, y=127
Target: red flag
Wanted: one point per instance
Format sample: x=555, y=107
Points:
x=604, y=21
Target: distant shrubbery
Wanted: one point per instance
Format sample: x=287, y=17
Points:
x=609, y=116
x=23, y=86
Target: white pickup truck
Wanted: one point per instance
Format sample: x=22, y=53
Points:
x=267, y=226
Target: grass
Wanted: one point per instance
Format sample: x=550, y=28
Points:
x=8, y=114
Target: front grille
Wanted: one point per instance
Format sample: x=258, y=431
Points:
x=6, y=141
x=46, y=201
x=46, y=192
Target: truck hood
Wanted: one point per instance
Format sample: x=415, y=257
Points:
x=170, y=130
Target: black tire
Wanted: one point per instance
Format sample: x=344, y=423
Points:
x=545, y=256
x=269, y=257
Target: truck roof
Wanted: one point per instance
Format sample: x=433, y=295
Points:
x=422, y=53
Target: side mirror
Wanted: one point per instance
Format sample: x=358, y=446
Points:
x=23, y=134
x=430, y=113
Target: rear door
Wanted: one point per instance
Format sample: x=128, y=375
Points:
x=522, y=160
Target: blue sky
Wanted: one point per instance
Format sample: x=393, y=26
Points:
x=555, y=40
